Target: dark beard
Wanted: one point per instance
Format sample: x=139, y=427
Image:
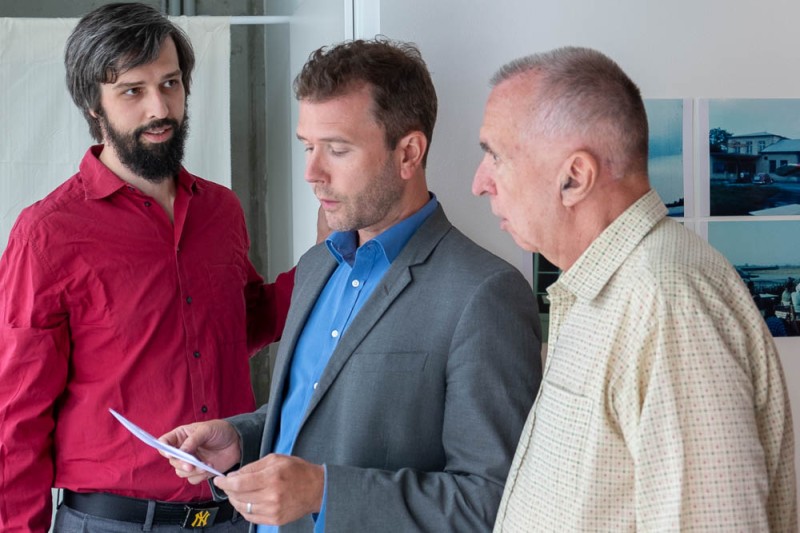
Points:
x=153, y=162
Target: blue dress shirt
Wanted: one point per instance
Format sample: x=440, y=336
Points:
x=360, y=270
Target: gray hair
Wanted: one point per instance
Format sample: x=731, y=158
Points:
x=584, y=93
x=111, y=40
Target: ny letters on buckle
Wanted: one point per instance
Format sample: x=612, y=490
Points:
x=197, y=518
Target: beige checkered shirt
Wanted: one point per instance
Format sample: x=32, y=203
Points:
x=663, y=405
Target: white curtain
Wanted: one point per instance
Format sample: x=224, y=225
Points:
x=43, y=136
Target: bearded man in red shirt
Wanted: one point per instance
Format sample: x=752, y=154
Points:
x=128, y=287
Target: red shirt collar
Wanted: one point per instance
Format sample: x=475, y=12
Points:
x=99, y=182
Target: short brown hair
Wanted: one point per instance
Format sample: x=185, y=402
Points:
x=402, y=90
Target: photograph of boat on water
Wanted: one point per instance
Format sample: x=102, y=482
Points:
x=766, y=256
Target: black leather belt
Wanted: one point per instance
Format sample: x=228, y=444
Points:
x=188, y=515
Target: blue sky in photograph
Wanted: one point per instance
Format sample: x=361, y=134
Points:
x=742, y=116
x=665, y=167
x=757, y=243
x=665, y=120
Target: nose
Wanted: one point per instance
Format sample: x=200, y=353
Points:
x=314, y=169
x=482, y=183
x=157, y=105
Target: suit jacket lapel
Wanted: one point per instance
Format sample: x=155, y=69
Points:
x=396, y=279
x=321, y=265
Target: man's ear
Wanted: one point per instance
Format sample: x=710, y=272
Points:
x=578, y=177
x=410, y=150
x=92, y=113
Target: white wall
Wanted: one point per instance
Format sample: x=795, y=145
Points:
x=674, y=49
x=315, y=23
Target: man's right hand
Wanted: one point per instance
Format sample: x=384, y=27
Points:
x=215, y=443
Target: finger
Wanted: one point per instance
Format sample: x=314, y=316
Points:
x=192, y=442
x=179, y=464
x=253, y=509
x=200, y=477
x=189, y=472
x=240, y=482
x=244, y=507
x=184, y=469
x=174, y=437
x=245, y=488
x=224, y=483
x=186, y=438
x=169, y=438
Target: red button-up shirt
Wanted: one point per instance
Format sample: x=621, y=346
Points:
x=105, y=303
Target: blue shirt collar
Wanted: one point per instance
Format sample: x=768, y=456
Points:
x=343, y=244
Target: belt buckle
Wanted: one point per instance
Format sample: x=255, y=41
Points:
x=199, y=518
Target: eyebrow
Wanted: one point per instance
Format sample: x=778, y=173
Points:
x=123, y=85
x=340, y=140
x=485, y=147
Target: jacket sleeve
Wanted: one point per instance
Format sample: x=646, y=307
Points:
x=250, y=427
x=34, y=353
x=267, y=307
x=493, y=373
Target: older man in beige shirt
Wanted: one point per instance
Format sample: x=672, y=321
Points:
x=663, y=405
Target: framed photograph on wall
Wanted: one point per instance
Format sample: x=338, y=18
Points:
x=669, y=163
x=753, y=153
x=766, y=256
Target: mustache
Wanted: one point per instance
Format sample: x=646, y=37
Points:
x=156, y=124
x=324, y=192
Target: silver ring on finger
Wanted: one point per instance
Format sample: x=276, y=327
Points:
x=249, y=508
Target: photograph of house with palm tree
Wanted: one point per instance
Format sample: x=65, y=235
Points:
x=754, y=157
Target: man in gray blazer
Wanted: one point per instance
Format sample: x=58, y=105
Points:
x=410, y=356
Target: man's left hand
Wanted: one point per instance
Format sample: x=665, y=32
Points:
x=279, y=488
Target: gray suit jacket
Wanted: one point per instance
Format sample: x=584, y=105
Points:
x=419, y=411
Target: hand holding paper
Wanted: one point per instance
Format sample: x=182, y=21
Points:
x=214, y=442
x=150, y=440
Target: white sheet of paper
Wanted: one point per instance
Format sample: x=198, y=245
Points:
x=150, y=440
